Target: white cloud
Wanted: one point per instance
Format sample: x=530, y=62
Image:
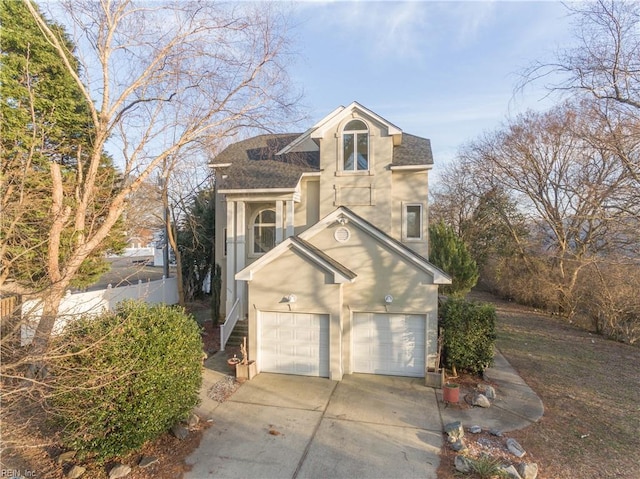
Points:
x=389, y=28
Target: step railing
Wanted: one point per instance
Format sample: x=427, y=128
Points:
x=229, y=323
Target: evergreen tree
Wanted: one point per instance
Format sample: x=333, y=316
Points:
x=196, y=238
x=45, y=120
x=495, y=229
x=449, y=253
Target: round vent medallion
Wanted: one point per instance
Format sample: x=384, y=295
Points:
x=342, y=235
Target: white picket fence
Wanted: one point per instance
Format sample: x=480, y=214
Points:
x=95, y=302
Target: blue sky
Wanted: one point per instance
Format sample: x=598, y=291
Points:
x=441, y=70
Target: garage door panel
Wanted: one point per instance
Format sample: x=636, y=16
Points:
x=294, y=343
x=391, y=344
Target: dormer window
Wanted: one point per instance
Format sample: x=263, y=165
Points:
x=355, y=146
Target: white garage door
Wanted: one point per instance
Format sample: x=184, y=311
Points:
x=391, y=344
x=294, y=343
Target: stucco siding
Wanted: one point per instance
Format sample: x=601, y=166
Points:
x=365, y=192
x=410, y=188
x=307, y=211
x=293, y=273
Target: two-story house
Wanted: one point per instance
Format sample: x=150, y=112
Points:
x=325, y=247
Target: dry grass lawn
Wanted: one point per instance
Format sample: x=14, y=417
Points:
x=590, y=387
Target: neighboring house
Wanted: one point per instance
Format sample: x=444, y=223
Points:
x=325, y=245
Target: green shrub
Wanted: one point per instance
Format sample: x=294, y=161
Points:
x=448, y=252
x=125, y=377
x=468, y=335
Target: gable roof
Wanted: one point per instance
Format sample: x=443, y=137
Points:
x=330, y=121
x=439, y=276
x=341, y=274
x=278, y=161
x=254, y=163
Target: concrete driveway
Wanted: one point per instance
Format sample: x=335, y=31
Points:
x=280, y=426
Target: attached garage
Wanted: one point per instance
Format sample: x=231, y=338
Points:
x=389, y=343
x=294, y=343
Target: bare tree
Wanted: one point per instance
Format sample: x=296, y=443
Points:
x=578, y=196
x=603, y=66
x=161, y=80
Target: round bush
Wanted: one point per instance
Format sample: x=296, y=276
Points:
x=469, y=334
x=125, y=377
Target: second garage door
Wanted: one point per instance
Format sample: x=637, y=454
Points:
x=294, y=343
x=391, y=344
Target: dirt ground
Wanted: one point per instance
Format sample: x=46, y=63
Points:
x=589, y=386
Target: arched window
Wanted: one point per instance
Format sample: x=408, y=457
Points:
x=355, y=146
x=264, y=231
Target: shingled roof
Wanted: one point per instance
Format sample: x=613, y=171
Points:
x=254, y=163
x=414, y=150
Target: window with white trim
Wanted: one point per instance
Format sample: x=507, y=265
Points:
x=263, y=232
x=412, y=221
x=355, y=146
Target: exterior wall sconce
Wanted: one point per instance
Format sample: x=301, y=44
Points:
x=343, y=220
x=292, y=298
x=388, y=299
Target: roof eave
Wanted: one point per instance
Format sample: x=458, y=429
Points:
x=411, y=167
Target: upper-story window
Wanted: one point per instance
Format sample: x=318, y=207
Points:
x=355, y=146
x=264, y=231
x=412, y=228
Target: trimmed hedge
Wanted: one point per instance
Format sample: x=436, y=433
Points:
x=128, y=377
x=469, y=334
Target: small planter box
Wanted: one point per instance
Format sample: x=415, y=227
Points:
x=246, y=371
x=434, y=379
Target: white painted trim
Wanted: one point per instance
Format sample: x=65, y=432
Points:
x=410, y=167
x=247, y=273
x=307, y=134
x=250, y=225
x=279, y=221
x=403, y=214
x=319, y=131
x=290, y=215
x=231, y=258
x=439, y=276
x=219, y=165
x=259, y=190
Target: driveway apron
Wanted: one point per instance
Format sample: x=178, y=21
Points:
x=280, y=426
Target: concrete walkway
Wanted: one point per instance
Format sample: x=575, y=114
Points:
x=516, y=406
x=281, y=426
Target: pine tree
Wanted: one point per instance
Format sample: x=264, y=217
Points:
x=449, y=253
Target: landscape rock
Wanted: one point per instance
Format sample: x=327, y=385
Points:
x=496, y=432
x=66, y=457
x=192, y=420
x=454, y=431
x=480, y=400
x=515, y=448
x=76, y=472
x=121, y=470
x=475, y=429
x=459, y=446
x=146, y=461
x=528, y=470
x=489, y=392
x=511, y=472
x=463, y=464
x=179, y=431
